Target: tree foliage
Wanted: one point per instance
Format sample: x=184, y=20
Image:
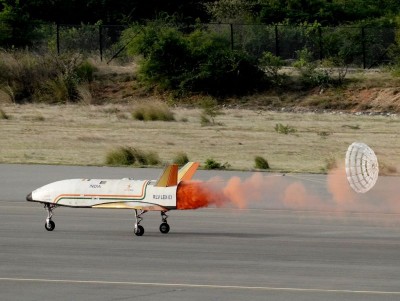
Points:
x=18, y=16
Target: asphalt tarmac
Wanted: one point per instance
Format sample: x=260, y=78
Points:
x=264, y=252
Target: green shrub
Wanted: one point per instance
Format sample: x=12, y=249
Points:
x=212, y=164
x=181, y=158
x=284, y=129
x=151, y=158
x=152, y=112
x=130, y=156
x=3, y=115
x=210, y=110
x=120, y=156
x=310, y=75
x=84, y=72
x=271, y=65
x=261, y=163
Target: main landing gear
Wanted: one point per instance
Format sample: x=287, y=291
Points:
x=139, y=230
x=164, y=227
x=49, y=225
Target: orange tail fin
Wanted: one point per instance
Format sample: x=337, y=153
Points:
x=187, y=171
x=169, y=177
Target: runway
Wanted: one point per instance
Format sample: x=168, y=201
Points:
x=261, y=253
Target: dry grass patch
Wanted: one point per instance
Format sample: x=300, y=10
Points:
x=64, y=136
x=154, y=111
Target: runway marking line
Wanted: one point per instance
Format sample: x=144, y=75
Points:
x=187, y=285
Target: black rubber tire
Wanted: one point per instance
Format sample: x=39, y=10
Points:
x=50, y=226
x=164, y=228
x=139, y=231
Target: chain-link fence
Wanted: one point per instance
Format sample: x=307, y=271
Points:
x=364, y=47
x=101, y=41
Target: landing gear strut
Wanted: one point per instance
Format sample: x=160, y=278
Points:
x=139, y=230
x=164, y=227
x=49, y=225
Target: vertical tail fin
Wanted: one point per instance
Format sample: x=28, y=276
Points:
x=169, y=177
x=187, y=171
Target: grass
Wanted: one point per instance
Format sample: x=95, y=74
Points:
x=66, y=136
x=126, y=155
x=153, y=111
x=284, y=129
x=181, y=158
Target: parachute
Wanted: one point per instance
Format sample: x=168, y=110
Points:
x=361, y=167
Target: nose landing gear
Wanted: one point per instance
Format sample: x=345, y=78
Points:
x=139, y=230
x=49, y=225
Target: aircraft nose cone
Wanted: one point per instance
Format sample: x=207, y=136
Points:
x=29, y=197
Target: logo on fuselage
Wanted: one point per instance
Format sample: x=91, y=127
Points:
x=162, y=197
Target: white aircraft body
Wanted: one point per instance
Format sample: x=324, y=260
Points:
x=139, y=195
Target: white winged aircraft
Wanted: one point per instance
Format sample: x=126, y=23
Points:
x=139, y=195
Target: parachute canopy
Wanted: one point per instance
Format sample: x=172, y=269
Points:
x=361, y=167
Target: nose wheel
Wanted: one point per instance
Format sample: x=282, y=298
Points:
x=49, y=225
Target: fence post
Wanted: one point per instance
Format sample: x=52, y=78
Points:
x=232, y=43
x=58, y=38
x=276, y=41
x=101, y=42
x=321, y=51
x=363, y=47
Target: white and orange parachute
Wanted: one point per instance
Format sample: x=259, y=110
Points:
x=362, y=167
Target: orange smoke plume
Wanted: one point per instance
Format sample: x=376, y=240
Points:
x=267, y=191
x=233, y=193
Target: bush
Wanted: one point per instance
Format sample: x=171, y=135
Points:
x=271, y=65
x=152, y=112
x=284, y=129
x=120, y=156
x=210, y=110
x=3, y=115
x=212, y=164
x=261, y=163
x=181, y=158
x=129, y=156
x=310, y=76
x=84, y=72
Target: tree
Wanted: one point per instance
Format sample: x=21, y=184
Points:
x=15, y=26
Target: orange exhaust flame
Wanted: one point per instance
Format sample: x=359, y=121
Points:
x=235, y=192
x=193, y=195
